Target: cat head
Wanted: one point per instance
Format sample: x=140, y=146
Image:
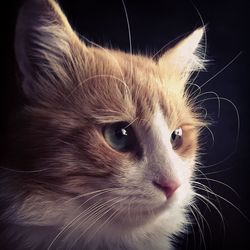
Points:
x=103, y=127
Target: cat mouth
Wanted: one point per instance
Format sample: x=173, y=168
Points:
x=153, y=210
x=142, y=215
x=158, y=209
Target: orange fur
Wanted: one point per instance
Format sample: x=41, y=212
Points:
x=74, y=90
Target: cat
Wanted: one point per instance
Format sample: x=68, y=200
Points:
x=103, y=152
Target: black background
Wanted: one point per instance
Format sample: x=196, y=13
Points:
x=153, y=24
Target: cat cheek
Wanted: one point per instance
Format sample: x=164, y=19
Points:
x=103, y=158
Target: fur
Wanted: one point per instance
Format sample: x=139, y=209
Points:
x=64, y=186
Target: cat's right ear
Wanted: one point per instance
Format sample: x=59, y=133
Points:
x=179, y=62
x=44, y=45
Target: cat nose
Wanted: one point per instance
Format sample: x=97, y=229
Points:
x=168, y=187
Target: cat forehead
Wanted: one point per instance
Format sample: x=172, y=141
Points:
x=123, y=64
x=119, y=86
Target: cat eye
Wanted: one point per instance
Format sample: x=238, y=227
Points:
x=176, y=138
x=120, y=136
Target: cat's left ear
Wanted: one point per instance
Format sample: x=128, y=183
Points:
x=184, y=58
x=47, y=49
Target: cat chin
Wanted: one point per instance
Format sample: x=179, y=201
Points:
x=142, y=216
x=155, y=235
x=154, y=232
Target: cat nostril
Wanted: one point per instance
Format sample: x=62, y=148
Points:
x=168, y=187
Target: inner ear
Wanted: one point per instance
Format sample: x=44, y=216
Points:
x=179, y=61
x=156, y=57
x=45, y=45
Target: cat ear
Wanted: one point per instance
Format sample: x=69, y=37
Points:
x=181, y=60
x=44, y=46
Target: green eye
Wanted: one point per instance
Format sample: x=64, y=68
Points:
x=120, y=136
x=176, y=138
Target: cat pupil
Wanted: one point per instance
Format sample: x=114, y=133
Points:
x=176, y=138
x=173, y=136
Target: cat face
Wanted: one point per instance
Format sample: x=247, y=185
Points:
x=110, y=136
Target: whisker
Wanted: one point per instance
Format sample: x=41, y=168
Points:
x=93, y=210
x=192, y=84
x=25, y=171
x=76, y=218
x=222, y=183
x=208, y=190
x=189, y=222
x=131, y=122
x=212, y=135
x=205, y=188
x=230, y=203
x=220, y=71
x=108, y=220
x=238, y=130
x=105, y=190
x=202, y=239
x=203, y=25
x=201, y=197
x=218, y=171
x=97, y=217
x=129, y=38
x=202, y=218
x=217, y=98
x=205, y=111
x=97, y=76
x=107, y=52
